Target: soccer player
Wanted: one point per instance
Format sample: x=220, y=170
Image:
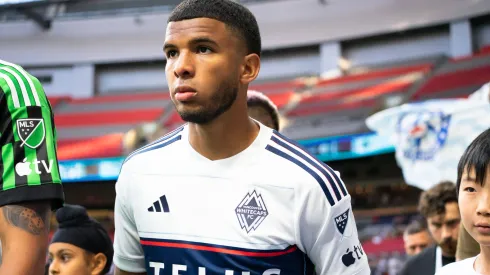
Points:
x=473, y=185
x=224, y=194
x=261, y=108
x=30, y=184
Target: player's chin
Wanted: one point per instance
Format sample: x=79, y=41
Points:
x=483, y=240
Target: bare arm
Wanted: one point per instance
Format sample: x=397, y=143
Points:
x=24, y=230
x=120, y=272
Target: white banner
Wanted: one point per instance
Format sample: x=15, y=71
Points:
x=430, y=136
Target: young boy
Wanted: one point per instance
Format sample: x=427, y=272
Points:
x=473, y=187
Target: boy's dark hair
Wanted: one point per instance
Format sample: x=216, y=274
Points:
x=476, y=156
x=255, y=98
x=416, y=226
x=433, y=201
x=235, y=16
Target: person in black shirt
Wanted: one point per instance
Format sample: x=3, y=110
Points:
x=439, y=206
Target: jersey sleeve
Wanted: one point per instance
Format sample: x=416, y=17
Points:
x=328, y=235
x=128, y=252
x=28, y=163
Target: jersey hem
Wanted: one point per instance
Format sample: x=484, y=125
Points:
x=127, y=265
x=47, y=191
x=364, y=271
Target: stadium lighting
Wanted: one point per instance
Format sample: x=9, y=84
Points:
x=12, y=2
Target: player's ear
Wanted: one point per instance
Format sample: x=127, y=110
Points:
x=98, y=263
x=250, y=69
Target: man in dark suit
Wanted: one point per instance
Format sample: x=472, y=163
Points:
x=439, y=206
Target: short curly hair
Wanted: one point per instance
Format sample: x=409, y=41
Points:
x=258, y=99
x=433, y=201
x=234, y=15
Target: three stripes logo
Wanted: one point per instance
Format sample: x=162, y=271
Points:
x=159, y=205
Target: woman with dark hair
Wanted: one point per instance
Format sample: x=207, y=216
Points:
x=80, y=246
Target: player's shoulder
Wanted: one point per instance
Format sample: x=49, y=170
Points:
x=161, y=151
x=12, y=71
x=461, y=267
x=22, y=87
x=293, y=161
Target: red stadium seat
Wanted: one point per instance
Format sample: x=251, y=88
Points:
x=384, y=73
x=323, y=109
x=386, y=245
x=373, y=91
x=55, y=100
x=100, y=147
x=281, y=99
x=173, y=120
x=122, y=98
x=453, y=80
x=276, y=86
x=107, y=118
x=485, y=50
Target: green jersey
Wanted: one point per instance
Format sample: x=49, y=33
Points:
x=28, y=163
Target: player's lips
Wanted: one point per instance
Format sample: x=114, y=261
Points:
x=483, y=228
x=184, y=93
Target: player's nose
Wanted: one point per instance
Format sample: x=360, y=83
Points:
x=184, y=65
x=54, y=268
x=483, y=204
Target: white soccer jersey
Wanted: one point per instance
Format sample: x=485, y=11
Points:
x=465, y=267
x=271, y=209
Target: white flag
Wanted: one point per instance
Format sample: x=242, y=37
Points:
x=430, y=136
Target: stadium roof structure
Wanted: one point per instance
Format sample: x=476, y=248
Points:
x=30, y=9
x=43, y=12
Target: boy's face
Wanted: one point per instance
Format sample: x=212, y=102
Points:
x=475, y=206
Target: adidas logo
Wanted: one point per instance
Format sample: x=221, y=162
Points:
x=160, y=205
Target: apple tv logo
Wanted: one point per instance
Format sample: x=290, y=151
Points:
x=24, y=168
x=349, y=259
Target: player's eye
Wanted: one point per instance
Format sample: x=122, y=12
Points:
x=203, y=49
x=437, y=225
x=65, y=257
x=171, y=53
x=470, y=189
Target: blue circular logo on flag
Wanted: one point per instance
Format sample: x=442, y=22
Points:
x=422, y=134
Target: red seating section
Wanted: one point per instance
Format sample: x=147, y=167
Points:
x=385, y=246
x=55, y=100
x=467, y=74
x=442, y=83
x=107, y=118
x=345, y=98
x=122, y=98
x=269, y=88
x=87, y=120
x=100, y=147
x=377, y=74
x=357, y=91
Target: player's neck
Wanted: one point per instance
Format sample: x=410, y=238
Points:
x=482, y=264
x=447, y=255
x=224, y=137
